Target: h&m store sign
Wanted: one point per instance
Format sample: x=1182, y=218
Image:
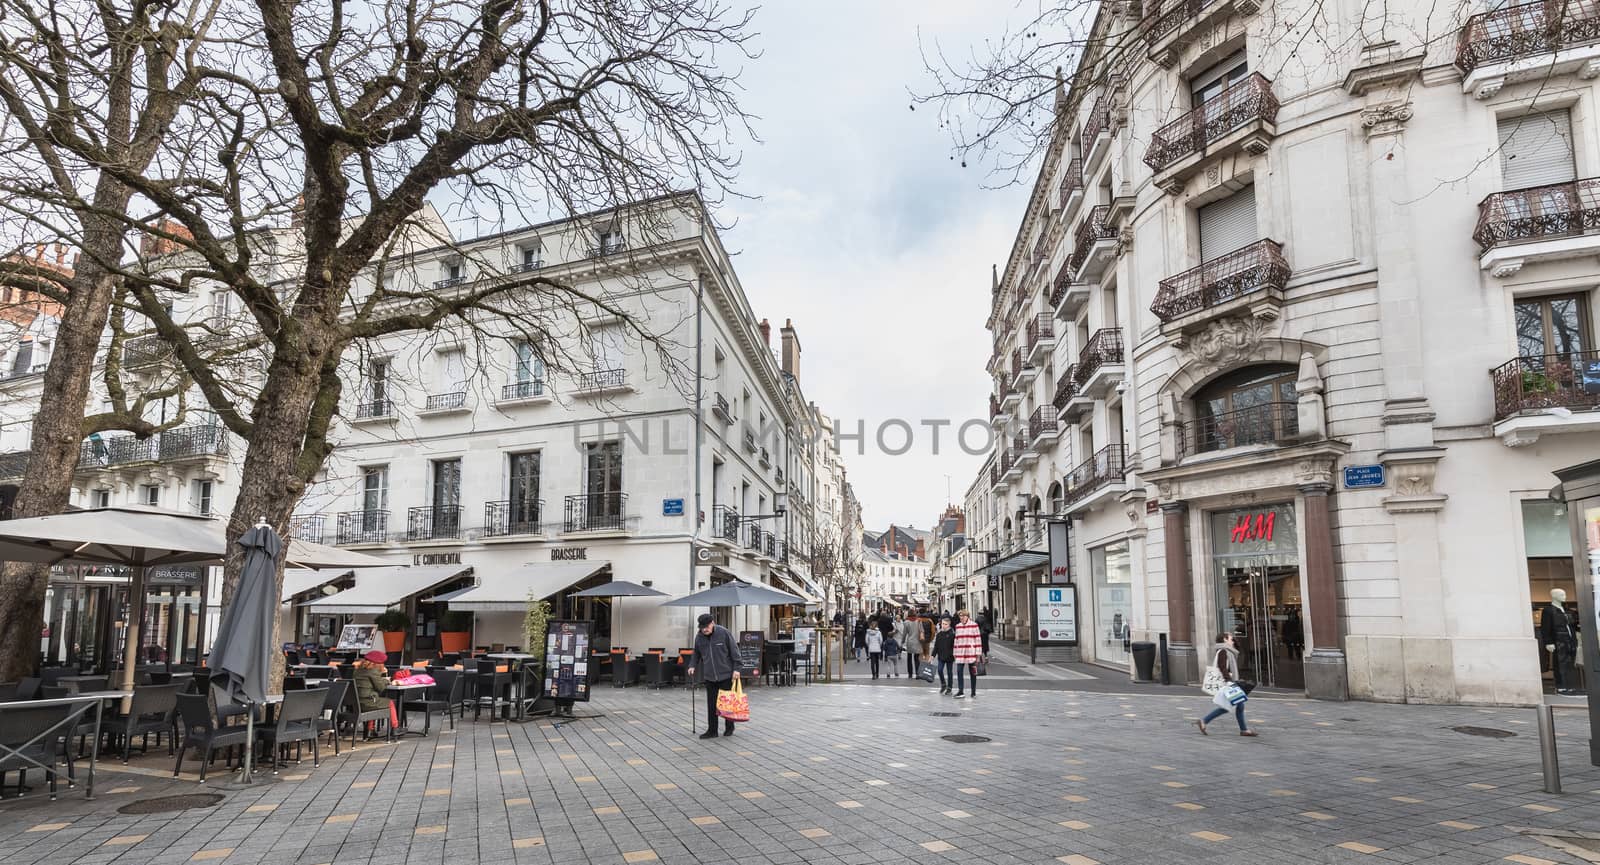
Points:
x=1264, y=529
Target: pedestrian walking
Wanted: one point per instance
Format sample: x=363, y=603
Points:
x=971, y=646
x=874, y=641
x=911, y=643
x=1224, y=671
x=944, y=651
x=716, y=656
x=860, y=639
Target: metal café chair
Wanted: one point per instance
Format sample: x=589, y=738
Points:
x=297, y=723
x=153, y=710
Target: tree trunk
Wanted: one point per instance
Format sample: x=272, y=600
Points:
x=57, y=436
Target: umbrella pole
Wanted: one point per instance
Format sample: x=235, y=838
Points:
x=130, y=652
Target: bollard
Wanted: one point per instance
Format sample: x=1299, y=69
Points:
x=1547, y=748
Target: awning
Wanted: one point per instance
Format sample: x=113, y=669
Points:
x=299, y=580
x=508, y=591
x=898, y=599
x=378, y=589
x=793, y=584
x=1023, y=560
x=812, y=587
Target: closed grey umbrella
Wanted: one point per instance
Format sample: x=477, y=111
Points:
x=241, y=657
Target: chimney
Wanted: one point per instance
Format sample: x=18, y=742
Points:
x=151, y=245
x=766, y=332
x=791, y=349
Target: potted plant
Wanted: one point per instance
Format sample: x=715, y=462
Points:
x=455, y=631
x=393, y=624
x=535, y=622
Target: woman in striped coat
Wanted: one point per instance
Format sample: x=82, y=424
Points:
x=969, y=650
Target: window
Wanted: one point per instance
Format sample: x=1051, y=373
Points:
x=452, y=270
x=1218, y=78
x=1552, y=325
x=1536, y=150
x=524, y=493
x=530, y=257
x=22, y=363
x=375, y=389
x=1228, y=224
x=610, y=240
x=150, y=494
x=1256, y=405
x=605, y=347
x=375, y=489
x=453, y=371
x=528, y=366
x=602, y=472
x=446, y=497
x=100, y=498
x=221, y=305
x=202, y=498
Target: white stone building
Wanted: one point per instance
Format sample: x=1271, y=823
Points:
x=1268, y=251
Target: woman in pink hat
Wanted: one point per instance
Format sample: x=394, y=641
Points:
x=370, y=681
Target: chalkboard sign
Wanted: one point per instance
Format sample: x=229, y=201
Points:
x=750, y=643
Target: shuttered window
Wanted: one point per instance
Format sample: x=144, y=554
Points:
x=1536, y=150
x=1228, y=224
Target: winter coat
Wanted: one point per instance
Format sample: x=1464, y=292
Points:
x=861, y=634
x=370, y=684
x=969, y=643
x=874, y=641
x=715, y=656
x=1226, y=659
x=944, y=645
x=910, y=636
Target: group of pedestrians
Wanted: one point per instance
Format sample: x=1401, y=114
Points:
x=957, y=645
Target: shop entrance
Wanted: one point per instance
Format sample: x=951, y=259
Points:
x=1256, y=567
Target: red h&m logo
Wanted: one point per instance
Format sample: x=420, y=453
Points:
x=1253, y=527
x=1059, y=571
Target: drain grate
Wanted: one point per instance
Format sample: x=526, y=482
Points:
x=164, y=804
x=965, y=739
x=944, y=714
x=1485, y=732
x=837, y=720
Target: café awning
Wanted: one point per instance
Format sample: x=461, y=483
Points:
x=509, y=590
x=300, y=580
x=378, y=589
x=793, y=584
x=1016, y=563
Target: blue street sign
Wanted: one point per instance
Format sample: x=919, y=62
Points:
x=672, y=507
x=1357, y=477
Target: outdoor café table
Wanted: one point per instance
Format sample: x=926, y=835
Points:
x=77, y=706
x=519, y=661
x=399, y=693
x=72, y=683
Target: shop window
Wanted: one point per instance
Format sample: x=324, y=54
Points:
x=1112, y=570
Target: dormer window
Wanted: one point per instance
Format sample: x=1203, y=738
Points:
x=610, y=240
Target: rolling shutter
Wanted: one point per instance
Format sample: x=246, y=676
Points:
x=1228, y=224
x=1536, y=149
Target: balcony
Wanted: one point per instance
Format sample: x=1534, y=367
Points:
x=1066, y=296
x=610, y=247
x=1069, y=191
x=308, y=527
x=1250, y=278
x=1013, y=465
x=192, y=442
x=1266, y=424
x=25, y=371
x=764, y=458
x=1542, y=223
x=362, y=527
x=1025, y=454
x=520, y=392
x=595, y=512
x=433, y=524
x=449, y=282
x=513, y=518
x=995, y=413
x=777, y=476
x=1068, y=403
x=997, y=482
x=1545, y=395
x=1010, y=395
x=117, y=451
x=1023, y=371
x=1096, y=479
x=725, y=525
x=1098, y=126
x=1094, y=246
x=769, y=545
x=602, y=381
x=1043, y=427
x=721, y=409
x=752, y=537
x=1041, y=338
x=526, y=266
x=1240, y=119
x=445, y=403
x=374, y=411
x=749, y=440
x=1170, y=25
x=1529, y=41
x=145, y=351
x=1100, y=365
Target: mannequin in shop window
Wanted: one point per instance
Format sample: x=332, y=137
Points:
x=1558, y=634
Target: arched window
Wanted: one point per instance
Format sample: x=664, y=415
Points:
x=1055, y=498
x=1253, y=406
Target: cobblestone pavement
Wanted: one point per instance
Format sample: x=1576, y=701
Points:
x=853, y=774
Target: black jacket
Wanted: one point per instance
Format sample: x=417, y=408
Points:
x=715, y=657
x=1556, y=628
x=944, y=645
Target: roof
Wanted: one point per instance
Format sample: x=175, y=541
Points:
x=378, y=589
x=509, y=591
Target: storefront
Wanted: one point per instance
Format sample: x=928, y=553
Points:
x=1111, y=567
x=1256, y=583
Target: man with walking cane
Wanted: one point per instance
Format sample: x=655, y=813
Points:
x=716, y=656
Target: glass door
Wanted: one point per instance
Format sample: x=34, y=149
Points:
x=1260, y=606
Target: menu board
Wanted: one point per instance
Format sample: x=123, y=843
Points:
x=750, y=643
x=566, y=660
x=360, y=638
x=803, y=638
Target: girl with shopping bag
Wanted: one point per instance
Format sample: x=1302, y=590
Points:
x=1222, y=682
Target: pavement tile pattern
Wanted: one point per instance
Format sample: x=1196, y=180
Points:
x=1072, y=776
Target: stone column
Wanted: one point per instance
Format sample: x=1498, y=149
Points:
x=1180, y=595
x=1325, y=668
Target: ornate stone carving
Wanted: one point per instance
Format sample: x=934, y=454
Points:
x=1308, y=472
x=1414, y=471
x=1388, y=119
x=1227, y=341
x=1124, y=240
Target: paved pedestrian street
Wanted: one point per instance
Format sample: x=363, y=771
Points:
x=864, y=774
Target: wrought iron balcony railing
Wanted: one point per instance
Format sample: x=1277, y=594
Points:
x=603, y=378
x=117, y=450
x=1041, y=327
x=769, y=544
x=1019, y=362
x=446, y=401
x=522, y=390
x=721, y=408
x=1244, y=271
x=1525, y=30
x=512, y=517
x=1539, y=213
x=1106, y=467
x=1165, y=17
x=1264, y=424
x=200, y=440
x=1090, y=231
x=994, y=407
x=1099, y=119
x=24, y=372
x=752, y=536
x=526, y=266
x=592, y=512
x=1071, y=180
x=433, y=524
x=1535, y=382
x=1066, y=387
x=145, y=350
x=449, y=282
x=374, y=409
x=1105, y=347
x=725, y=523
x=1041, y=423
x=362, y=527
x=1242, y=103
x=610, y=247
x=308, y=527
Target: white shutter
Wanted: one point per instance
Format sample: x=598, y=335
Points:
x=1536, y=149
x=1228, y=224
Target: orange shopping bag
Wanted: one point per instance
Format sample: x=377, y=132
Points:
x=733, y=705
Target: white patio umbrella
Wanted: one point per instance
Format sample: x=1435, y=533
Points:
x=143, y=538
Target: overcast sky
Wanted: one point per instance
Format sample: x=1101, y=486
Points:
x=871, y=239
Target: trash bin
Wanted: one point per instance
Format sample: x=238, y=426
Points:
x=1144, y=662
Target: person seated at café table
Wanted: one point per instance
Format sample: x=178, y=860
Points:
x=371, y=682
